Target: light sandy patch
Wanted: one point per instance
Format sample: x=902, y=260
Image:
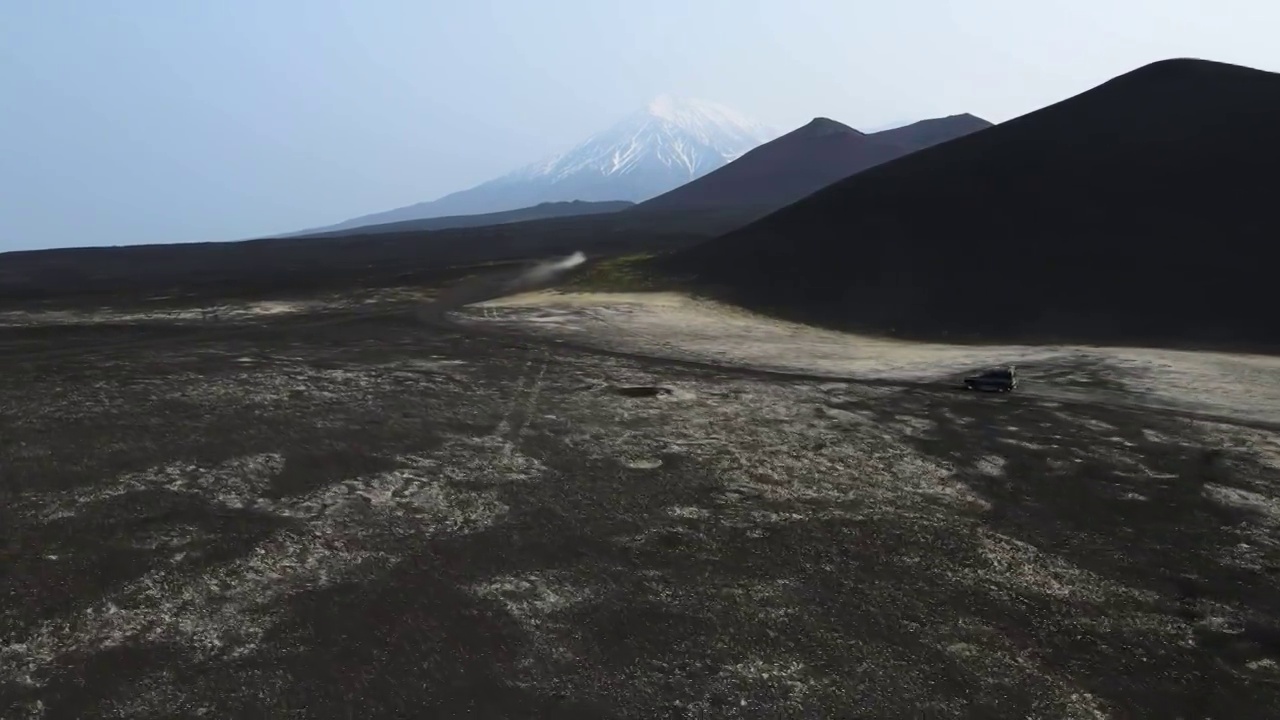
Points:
x=671, y=322
x=771, y=600
x=553, y=298
x=1024, y=443
x=432, y=505
x=284, y=384
x=644, y=537
x=224, y=610
x=1260, y=445
x=1237, y=385
x=272, y=308
x=206, y=313
x=996, y=663
x=532, y=598
x=793, y=678
x=235, y=483
x=1267, y=508
x=1025, y=568
x=1095, y=425
x=777, y=444
x=679, y=326
x=992, y=465
x=757, y=669
x=688, y=513
x=642, y=463
x=477, y=462
x=215, y=312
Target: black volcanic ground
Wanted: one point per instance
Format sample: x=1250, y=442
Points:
x=322, y=506
x=1142, y=210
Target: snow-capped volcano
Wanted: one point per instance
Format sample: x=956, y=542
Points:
x=688, y=138
x=655, y=149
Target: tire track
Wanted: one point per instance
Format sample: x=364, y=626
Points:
x=524, y=402
x=503, y=428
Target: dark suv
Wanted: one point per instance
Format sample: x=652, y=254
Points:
x=1001, y=379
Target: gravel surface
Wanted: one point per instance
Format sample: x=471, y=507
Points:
x=311, y=513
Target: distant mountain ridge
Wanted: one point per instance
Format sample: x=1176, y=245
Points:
x=806, y=160
x=662, y=146
x=542, y=211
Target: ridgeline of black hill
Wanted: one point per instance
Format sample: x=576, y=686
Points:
x=804, y=161
x=1141, y=211
x=927, y=133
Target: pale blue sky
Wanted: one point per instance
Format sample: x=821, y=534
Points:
x=134, y=121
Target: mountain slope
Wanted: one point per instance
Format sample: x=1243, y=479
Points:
x=537, y=212
x=927, y=133
x=1142, y=209
x=804, y=161
x=664, y=145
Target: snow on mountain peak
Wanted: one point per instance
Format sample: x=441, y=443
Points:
x=663, y=105
x=690, y=112
x=669, y=142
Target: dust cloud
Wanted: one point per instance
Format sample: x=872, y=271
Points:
x=545, y=271
x=478, y=289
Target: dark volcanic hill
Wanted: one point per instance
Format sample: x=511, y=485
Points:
x=1140, y=210
x=806, y=160
x=542, y=211
x=305, y=264
x=926, y=133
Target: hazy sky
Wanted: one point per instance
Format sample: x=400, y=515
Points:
x=130, y=121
